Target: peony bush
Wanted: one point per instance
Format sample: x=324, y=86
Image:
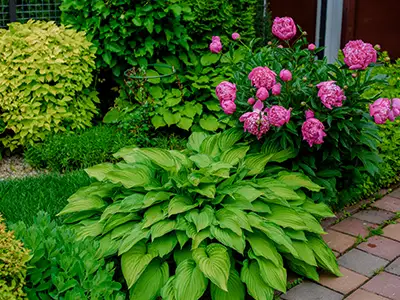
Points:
x=281, y=94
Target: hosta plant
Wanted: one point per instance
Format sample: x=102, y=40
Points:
x=211, y=220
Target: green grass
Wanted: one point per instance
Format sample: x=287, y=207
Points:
x=22, y=199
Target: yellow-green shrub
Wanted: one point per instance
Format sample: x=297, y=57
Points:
x=45, y=77
x=13, y=259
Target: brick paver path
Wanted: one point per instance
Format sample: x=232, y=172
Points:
x=371, y=269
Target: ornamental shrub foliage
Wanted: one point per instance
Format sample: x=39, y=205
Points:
x=45, y=78
x=213, y=220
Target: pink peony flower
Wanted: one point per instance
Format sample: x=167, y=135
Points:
x=285, y=75
x=276, y=89
x=358, y=55
x=251, y=101
x=235, y=36
x=262, y=77
x=311, y=47
x=380, y=110
x=229, y=107
x=395, y=107
x=216, y=38
x=256, y=122
x=278, y=115
x=262, y=94
x=330, y=94
x=226, y=91
x=216, y=45
x=313, y=130
x=284, y=28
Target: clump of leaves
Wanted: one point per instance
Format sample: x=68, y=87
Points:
x=61, y=267
x=13, y=265
x=209, y=219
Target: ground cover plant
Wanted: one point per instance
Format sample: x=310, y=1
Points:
x=45, y=82
x=22, y=199
x=212, y=220
x=316, y=110
x=62, y=267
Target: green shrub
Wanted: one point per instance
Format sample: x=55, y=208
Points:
x=13, y=260
x=22, y=199
x=210, y=214
x=61, y=267
x=45, y=77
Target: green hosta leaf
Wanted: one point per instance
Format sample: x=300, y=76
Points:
x=185, y=123
x=201, y=160
x=122, y=230
x=256, y=163
x=119, y=219
x=158, y=122
x=182, y=255
x=214, y=262
x=209, y=58
x=283, y=155
x=189, y=283
x=234, y=155
x=161, y=228
x=92, y=203
x=312, y=224
x=279, y=190
x=302, y=268
x=182, y=238
x=180, y=204
x=324, y=255
x=236, y=290
x=227, y=219
x=155, y=197
x=200, y=237
x=168, y=290
x=151, y=281
x=99, y=171
x=229, y=238
x=229, y=138
x=154, y=214
x=296, y=235
x=107, y=246
x=152, y=75
x=201, y=219
x=136, y=235
x=261, y=207
x=163, y=245
x=248, y=192
x=286, y=217
x=209, y=123
x=131, y=177
x=205, y=189
x=262, y=246
x=209, y=145
x=298, y=180
x=318, y=209
x=134, y=262
x=305, y=252
x=195, y=140
x=161, y=158
x=256, y=286
x=241, y=218
x=274, y=276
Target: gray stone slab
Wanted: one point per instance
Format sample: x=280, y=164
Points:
x=311, y=291
x=395, y=193
x=394, y=267
x=362, y=262
x=374, y=216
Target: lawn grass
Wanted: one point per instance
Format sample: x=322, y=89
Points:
x=22, y=199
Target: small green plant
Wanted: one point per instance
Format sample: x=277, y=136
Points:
x=63, y=268
x=379, y=271
x=293, y=283
x=211, y=220
x=45, y=78
x=375, y=231
x=13, y=265
x=360, y=239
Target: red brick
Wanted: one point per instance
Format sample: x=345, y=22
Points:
x=338, y=241
x=364, y=295
x=392, y=231
x=385, y=284
x=337, y=254
x=345, y=284
x=388, y=203
x=381, y=247
x=353, y=226
x=374, y=216
x=395, y=193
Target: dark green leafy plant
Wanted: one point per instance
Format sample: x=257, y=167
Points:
x=63, y=268
x=45, y=78
x=211, y=219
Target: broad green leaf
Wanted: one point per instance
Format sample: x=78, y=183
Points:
x=200, y=237
x=201, y=219
x=189, y=283
x=324, y=255
x=158, y=121
x=229, y=238
x=119, y=219
x=302, y=268
x=209, y=145
x=283, y=155
x=209, y=123
x=234, y=155
x=312, y=224
x=122, y=230
x=214, y=262
x=298, y=180
x=201, y=160
x=182, y=238
x=180, y=204
x=154, y=214
x=261, y=207
x=241, y=218
x=256, y=163
x=305, y=252
x=286, y=217
x=155, y=197
x=134, y=262
x=205, y=189
x=262, y=246
x=148, y=286
x=274, y=276
x=248, y=192
x=107, y=246
x=168, y=290
x=209, y=58
x=136, y=235
x=161, y=158
x=182, y=255
x=236, y=290
x=130, y=177
x=296, y=234
x=99, y=171
x=195, y=140
x=228, y=219
x=256, y=286
x=92, y=203
x=185, y=123
x=152, y=75
x=318, y=209
x=229, y=138
x=163, y=245
x=156, y=91
x=161, y=228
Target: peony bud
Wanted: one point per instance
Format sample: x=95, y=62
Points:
x=305, y=33
x=377, y=47
x=345, y=87
x=285, y=75
x=280, y=46
x=354, y=75
x=235, y=36
x=310, y=85
x=303, y=103
x=387, y=59
x=269, y=43
x=304, y=78
x=251, y=101
x=276, y=89
x=262, y=94
x=311, y=47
